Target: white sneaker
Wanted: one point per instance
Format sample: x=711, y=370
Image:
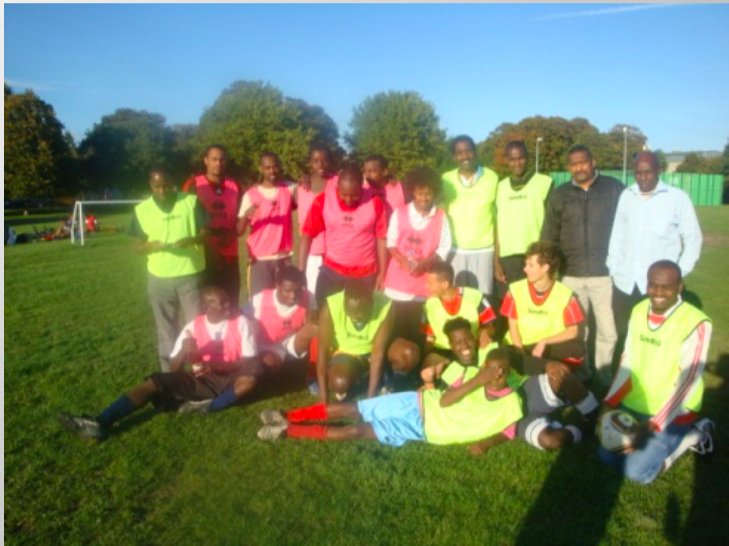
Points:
x=272, y=433
x=270, y=417
x=195, y=406
x=705, y=446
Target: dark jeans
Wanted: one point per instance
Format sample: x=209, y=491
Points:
x=223, y=272
x=513, y=267
x=408, y=321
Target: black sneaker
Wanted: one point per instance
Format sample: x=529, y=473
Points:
x=705, y=446
x=84, y=426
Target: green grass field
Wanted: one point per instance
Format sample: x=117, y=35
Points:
x=79, y=332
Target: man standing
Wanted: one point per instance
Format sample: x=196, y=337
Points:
x=470, y=192
x=169, y=231
x=520, y=200
x=355, y=229
x=660, y=379
x=580, y=217
x=654, y=221
x=221, y=198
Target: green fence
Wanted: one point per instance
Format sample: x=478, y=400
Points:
x=705, y=189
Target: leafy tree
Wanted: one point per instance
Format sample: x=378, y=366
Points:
x=252, y=117
x=402, y=126
x=38, y=154
x=662, y=161
x=558, y=136
x=184, y=159
x=119, y=150
x=697, y=163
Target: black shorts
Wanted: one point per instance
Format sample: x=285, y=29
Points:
x=174, y=388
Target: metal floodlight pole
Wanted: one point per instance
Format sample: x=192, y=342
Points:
x=625, y=155
x=539, y=139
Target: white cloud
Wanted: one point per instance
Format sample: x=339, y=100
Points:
x=606, y=11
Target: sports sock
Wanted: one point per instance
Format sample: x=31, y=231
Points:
x=116, y=411
x=576, y=433
x=224, y=400
x=315, y=432
x=317, y=412
x=588, y=404
x=693, y=437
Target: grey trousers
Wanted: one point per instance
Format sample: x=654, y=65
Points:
x=474, y=270
x=168, y=297
x=597, y=292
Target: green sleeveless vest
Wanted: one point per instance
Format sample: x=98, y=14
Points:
x=170, y=228
x=471, y=210
x=655, y=356
x=348, y=338
x=520, y=214
x=538, y=321
x=438, y=316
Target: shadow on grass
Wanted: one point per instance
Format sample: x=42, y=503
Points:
x=575, y=502
x=707, y=522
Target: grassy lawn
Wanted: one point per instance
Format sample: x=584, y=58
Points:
x=79, y=332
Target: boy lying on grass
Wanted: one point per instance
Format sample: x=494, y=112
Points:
x=222, y=351
x=476, y=405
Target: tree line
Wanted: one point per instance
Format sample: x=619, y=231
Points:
x=250, y=117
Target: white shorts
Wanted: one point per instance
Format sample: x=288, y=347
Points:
x=313, y=264
x=283, y=349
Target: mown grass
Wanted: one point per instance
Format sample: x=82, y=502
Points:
x=79, y=332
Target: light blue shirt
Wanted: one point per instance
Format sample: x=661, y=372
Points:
x=662, y=226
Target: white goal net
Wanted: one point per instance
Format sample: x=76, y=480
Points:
x=79, y=225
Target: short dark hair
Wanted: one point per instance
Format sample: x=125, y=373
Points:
x=353, y=171
x=667, y=264
x=444, y=270
x=272, y=155
x=289, y=273
x=358, y=289
x=423, y=177
x=579, y=148
x=381, y=159
x=320, y=148
x=215, y=147
x=462, y=138
x=458, y=323
x=516, y=144
x=547, y=252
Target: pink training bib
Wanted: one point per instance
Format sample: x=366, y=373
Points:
x=305, y=199
x=227, y=350
x=222, y=207
x=271, y=227
x=275, y=328
x=413, y=243
x=351, y=240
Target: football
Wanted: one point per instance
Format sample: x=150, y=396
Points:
x=615, y=430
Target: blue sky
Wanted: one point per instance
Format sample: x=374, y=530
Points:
x=662, y=68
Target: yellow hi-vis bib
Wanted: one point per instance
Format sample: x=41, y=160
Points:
x=538, y=321
x=471, y=210
x=520, y=214
x=438, y=316
x=348, y=338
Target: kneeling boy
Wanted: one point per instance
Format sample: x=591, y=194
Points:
x=477, y=406
x=221, y=350
x=282, y=319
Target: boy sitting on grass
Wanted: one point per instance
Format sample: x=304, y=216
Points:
x=477, y=405
x=222, y=352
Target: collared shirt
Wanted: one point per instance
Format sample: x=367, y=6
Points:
x=661, y=227
x=470, y=181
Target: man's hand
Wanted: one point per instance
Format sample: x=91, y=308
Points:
x=538, y=349
x=380, y=282
x=487, y=375
x=156, y=246
x=556, y=370
x=417, y=267
x=182, y=243
x=250, y=212
x=499, y=274
x=202, y=370
x=640, y=434
x=483, y=338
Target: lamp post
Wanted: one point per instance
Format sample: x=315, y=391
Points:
x=539, y=139
x=625, y=155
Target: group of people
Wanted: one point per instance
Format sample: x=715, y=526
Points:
x=455, y=306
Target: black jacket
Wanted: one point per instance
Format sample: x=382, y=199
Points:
x=581, y=222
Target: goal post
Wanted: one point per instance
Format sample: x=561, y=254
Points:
x=78, y=222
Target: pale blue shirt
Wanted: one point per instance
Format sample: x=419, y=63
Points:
x=662, y=226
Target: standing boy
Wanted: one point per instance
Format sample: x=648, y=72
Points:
x=520, y=199
x=221, y=197
x=418, y=237
x=470, y=192
x=169, y=228
x=380, y=183
x=267, y=207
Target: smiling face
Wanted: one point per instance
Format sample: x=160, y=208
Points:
x=664, y=287
x=516, y=158
x=535, y=272
x=270, y=169
x=319, y=163
x=465, y=156
x=581, y=167
x=289, y=293
x=162, y=190
x=463, y=345
x=423, y=199
x=437, y=286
